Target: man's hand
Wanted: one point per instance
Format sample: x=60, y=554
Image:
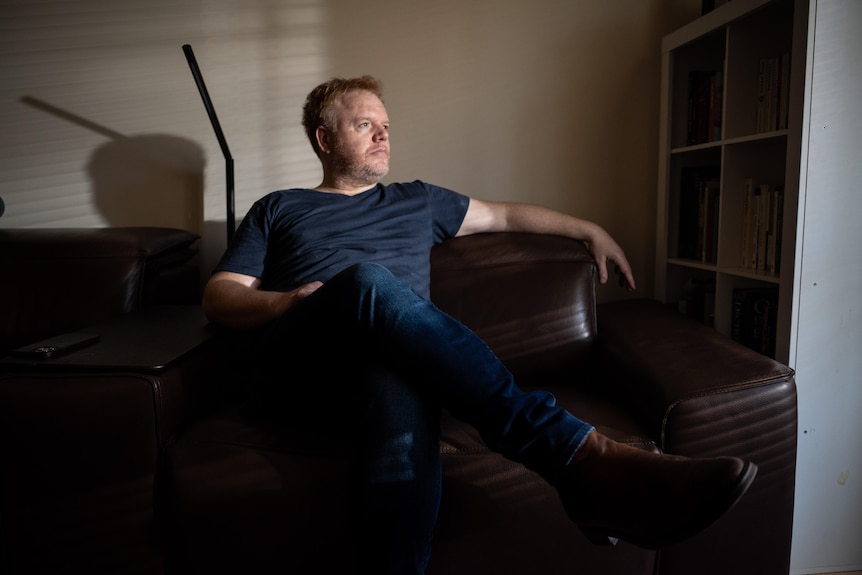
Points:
x=302, y=292
x=606, y=251
x=236, y=300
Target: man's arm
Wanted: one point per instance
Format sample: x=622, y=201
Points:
x=236, y=300
x=484, y=216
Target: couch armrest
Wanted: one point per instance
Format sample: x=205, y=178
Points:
x=676, y=375
x=701, y=394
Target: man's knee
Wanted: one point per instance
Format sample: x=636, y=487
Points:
x=367, y=273
x=370, y=278
x=390, y=460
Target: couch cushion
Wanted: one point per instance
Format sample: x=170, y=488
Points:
x=244, y=492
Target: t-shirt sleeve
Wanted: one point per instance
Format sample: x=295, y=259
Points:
x=448, y=209
x=246, y=253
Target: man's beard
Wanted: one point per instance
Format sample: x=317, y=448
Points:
x=357, y=174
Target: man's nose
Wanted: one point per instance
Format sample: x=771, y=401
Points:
x=381, y=133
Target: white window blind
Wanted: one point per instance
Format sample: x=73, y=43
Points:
x=102, y=123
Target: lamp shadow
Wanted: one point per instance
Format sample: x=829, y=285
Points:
x=142, y=180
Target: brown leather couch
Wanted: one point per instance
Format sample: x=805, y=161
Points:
x=178, y=470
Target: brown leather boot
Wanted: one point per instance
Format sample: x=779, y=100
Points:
x=612, y=490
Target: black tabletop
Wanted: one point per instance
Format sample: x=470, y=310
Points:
x=146, y=340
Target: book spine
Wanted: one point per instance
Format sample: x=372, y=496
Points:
x=761, y=97
x=751, y=228
x=754, y=318
x=764, y=213
x=718, y=113
x=784, y=92
x=777, y=225
x=705, y=102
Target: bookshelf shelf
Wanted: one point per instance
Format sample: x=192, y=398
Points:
x=716, y=20
x=694, y=264
x=766, y=277
x=731, y=141
x=731, y=125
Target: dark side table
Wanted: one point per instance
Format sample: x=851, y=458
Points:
x=149, y=340
x=80, y=437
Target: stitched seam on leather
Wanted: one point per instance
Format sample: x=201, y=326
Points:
x=464, y=450
x=722, y=391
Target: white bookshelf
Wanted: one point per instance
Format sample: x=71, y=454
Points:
x=733, y=40
x=820, y=279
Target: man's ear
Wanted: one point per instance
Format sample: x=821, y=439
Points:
x=323, y=139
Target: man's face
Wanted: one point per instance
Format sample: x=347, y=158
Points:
x=360, y=146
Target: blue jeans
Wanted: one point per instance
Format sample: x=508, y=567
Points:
x=382, y=361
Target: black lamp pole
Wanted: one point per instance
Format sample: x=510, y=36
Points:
x=229, y=190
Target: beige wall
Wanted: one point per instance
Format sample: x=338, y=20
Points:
x=548, y=101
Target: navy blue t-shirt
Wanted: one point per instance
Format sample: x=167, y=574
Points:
x=292, y=237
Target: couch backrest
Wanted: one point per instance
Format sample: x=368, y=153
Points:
x=530, y=297
x=60, y=280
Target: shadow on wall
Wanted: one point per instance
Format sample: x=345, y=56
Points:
x=144, y=180
x=149, y=180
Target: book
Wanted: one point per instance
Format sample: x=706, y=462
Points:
x=710, y=197
x=773, y=88
x=697, y=232
x=697, y=300
x=716, y=110
x=773, y=263
x=705, y=106
x=762, y=221
x=783, y=92
x=753, y=324
x=750, y=208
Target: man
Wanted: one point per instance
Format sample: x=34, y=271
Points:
x=336, y=279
